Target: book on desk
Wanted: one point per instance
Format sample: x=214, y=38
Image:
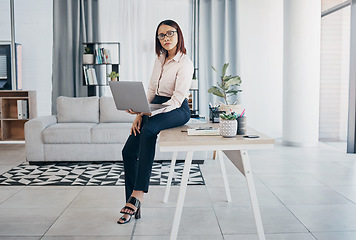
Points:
x=203, y=131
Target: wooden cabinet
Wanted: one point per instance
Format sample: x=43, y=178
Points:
x=11, y=127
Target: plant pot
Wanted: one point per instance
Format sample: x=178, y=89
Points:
x=194, y=84
x=234, y=107
x=114, y=79
x=88, y=58
x=228, y=128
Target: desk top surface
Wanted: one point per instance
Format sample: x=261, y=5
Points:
x=175, y=137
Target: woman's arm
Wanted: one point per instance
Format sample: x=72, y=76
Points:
x=154, y=79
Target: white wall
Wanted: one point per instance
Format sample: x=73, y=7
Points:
x=34, y=30
x=5, y=24
x=261, y=63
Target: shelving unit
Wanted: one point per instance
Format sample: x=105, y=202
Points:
x=12, y=128
x=102, y=69
x=193, y=100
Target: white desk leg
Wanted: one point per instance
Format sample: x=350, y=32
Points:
x=252, y=192
x=223, y=171
x=170, y=176
x=181, y=196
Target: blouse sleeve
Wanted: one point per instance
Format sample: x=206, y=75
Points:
x=154, y=79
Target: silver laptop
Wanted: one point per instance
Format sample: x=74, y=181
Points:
x=131, y=95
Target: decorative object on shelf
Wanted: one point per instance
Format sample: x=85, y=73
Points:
x=113, y=76
x=88, y=57
x=227, y=88
x=228, y=125
x=194, y=84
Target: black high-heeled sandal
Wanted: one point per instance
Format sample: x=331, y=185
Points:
x=135, y=202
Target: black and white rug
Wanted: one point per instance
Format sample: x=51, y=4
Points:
x=92, y=174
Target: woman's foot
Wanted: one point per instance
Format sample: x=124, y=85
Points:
x=124, y=219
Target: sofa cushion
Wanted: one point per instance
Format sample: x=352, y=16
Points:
x=68, y=133
x=110, y=132
x=109, y=113
x=77, y=110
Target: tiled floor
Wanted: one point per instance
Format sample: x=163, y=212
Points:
x=304, y=194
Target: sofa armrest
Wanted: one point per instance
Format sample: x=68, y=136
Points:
x=33, y=137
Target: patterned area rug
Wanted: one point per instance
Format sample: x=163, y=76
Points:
x=92, y=174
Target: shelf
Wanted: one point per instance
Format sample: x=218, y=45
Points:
x=12, y=128
x=17, y=98
x=101, y=64
x=101, y=70
x=85, y=43
x=13, y=119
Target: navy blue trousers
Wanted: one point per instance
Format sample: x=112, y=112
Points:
x=139, y=151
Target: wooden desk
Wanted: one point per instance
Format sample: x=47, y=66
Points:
x=174, y=140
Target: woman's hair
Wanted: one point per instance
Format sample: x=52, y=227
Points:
x=180, y=44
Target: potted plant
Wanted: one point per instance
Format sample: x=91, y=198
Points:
x=88, y=57
x=228, y=124
x=227, y=88
x=113, y=76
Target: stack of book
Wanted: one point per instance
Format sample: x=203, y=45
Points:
x=22, y=109
x=102, y=55
x=203, y=131
x=90, y=76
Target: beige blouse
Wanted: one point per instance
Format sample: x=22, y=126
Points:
x=171, y=79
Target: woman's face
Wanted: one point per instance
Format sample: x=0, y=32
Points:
x=170, y=37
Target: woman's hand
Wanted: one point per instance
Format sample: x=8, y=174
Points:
x=137, y=113
x=135, y=128
x=132, y=112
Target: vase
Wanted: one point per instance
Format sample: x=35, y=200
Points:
x=228, y=128
x=194, y=84
x=88, y=58
x=114, y=79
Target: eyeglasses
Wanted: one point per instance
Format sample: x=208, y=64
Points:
x=168, y=34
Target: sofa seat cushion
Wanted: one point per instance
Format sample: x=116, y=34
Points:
x=110, y=132
x=68, y=133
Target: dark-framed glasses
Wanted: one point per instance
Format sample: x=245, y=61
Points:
x=168, y=34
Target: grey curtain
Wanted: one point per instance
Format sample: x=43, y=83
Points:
x=74, y=22
x=218, y=44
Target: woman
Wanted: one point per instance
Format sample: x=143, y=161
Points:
x=169, y=85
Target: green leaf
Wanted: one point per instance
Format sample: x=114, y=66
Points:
x=233, y=81
x=224, y=70
x=233, y=92
x=216, y=91
x=214, y=69
x=226, y=78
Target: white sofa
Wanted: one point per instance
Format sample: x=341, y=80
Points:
x=84, y=129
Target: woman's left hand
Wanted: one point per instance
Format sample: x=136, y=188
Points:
x=132, y=112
